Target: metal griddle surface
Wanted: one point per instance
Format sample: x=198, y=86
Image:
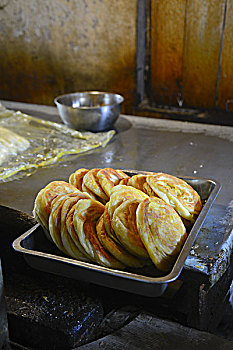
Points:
x=177, y=148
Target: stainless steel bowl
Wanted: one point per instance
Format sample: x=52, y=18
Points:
x=89, y=110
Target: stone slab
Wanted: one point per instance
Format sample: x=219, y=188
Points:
x=147, y=332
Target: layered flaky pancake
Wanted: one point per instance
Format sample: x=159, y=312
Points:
x=76, y=178
x=125, y=227
x=97, y=182
x=113, y=246
x=161, y=230
x=92, y=186
x=108, y=224
x=87, y=213
x=42, y=204
x=124, y=181
x=137, y=181
x=73, y=234
x=39, y=212
x=177, y=193
x=106, y=217
x=121, y=193
x=108, y=178
x=69, y=237
x=54, y=222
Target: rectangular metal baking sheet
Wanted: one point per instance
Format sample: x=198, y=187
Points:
x=41, y=254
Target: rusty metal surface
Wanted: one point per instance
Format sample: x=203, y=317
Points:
x=179, y=148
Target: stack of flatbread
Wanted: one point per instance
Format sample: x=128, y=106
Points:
x=106, y=217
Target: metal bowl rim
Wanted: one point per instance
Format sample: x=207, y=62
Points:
x=92, y=92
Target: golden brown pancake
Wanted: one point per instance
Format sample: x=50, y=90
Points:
x=108, y=225
x=76, y=179
x=87, y=213
x=124, y=181
x=108, y=178
x=73, y=234
x=121, y=193
x=130, y=229
x=125, y=227
x=148, y=190
x=55, y=217
x=161, y=230
x=137, y=181
x=91, y=185
x=114, y=248
x=42, y=204
x=177, y=193
x=55, y=222
x=39, y=214
x=71, y=242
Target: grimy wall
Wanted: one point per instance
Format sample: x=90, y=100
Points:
x=52, y=47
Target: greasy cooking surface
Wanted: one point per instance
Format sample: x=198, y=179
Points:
x=168, y=146
x=36, y=143
x=178, y=148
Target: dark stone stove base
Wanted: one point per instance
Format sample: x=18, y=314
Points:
x=48, y=313
x=43, y=309
x=151, y=333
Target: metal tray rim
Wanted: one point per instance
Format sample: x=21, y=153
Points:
x=170, y=277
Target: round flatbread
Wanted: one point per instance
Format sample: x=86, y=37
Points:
x=76, y=178
x=177, y=193
x=44, y=198
x=121, y=193
x=108, y=178
x=114, y=247
x=55, y=222
x=69, y=238
x=161, y=230
x=91, y=185
x=125, y=227
x=137, y=181
x=87, y=213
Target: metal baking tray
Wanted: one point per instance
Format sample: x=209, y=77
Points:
x=42, y=254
